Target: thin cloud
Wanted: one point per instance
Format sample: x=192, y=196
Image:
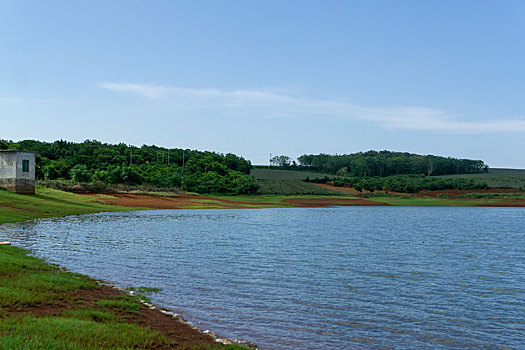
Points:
x=266, y=104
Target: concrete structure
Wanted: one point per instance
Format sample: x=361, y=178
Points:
x=17, y=171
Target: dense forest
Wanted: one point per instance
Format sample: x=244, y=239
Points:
x=93, y=161
x=386, y=163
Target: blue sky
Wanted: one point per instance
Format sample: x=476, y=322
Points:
x=269, y=77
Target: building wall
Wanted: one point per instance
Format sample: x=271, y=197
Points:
x=12, y=176
x=7, y=165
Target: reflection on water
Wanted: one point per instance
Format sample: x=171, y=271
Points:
x=352, y=277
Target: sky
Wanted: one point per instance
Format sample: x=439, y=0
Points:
x=261, y=78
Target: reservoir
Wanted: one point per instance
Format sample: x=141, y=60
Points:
x=312, y=278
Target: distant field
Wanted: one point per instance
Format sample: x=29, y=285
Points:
x=498, y=177
x=292, y=187
x=289, y=182
x=275, y=174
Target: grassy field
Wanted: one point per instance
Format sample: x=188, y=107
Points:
x=292, y=187
x=288, y=182
x=276, y=174
x=48, y=203
x=498, y=178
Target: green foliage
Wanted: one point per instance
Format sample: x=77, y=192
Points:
x=498, y=178
x=385, y=163
x=281, y=161
x=196, y=171
x=403, y=183
x=80, y=173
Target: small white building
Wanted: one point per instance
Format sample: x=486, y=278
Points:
x=17, y=171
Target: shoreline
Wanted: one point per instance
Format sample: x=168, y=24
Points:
x=174, y=331
x=181, y=333
x=348, y=197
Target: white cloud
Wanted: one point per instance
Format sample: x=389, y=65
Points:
x=267, y=104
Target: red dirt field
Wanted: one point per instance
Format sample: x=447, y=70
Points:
x=186, y=200
x=160, y=202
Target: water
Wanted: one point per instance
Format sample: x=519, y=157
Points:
x=352, y=277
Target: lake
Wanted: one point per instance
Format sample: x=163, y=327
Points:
x=310, y=278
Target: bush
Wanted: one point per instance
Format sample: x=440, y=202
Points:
x=80, y=173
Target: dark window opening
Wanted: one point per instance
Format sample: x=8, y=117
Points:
x=25, y=166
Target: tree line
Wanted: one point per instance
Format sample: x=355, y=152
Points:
x=387, y=163
x=94, y=161
x=402, y=183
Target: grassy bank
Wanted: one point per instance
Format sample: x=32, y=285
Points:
x=49, y=203
x=44, y=307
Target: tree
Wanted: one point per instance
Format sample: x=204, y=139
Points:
x=80, y=173
x=281, y=161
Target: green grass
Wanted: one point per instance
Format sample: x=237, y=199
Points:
x=120, y=305
x=425, y=201
x=31, y=332
x=276, y=174
x=288, y=182
x=26, y=281
x=292, y=187
x=498, y=178
x=49, y=203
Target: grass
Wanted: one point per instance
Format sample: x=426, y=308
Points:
x=288, y=182
x=292, y=187
x=425, y=201
x=120, y=305
x=497, y=178
x=48, y=202
x=276, y=174
x=28, y=283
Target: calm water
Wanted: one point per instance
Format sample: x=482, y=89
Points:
x=353, y=277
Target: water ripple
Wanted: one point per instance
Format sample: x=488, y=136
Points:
x=353, y=277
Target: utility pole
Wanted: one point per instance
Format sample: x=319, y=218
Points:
x=270, y=160
x=168, y=156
